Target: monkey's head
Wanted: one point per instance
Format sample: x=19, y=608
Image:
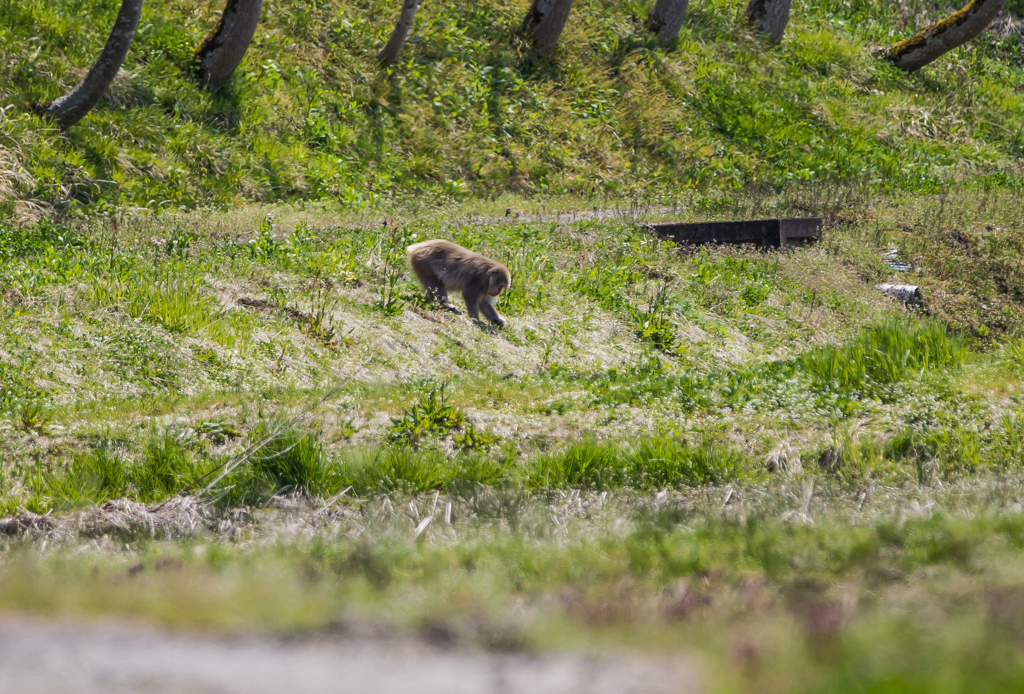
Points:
x=498, y=280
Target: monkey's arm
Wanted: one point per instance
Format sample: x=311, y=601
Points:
x=490, y=312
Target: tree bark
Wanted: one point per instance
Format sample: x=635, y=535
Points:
x=545, y=22
x=666, y=18
x=769, y=16
x=72, y=107
x=944, y=35
x=389, y=54
x=222, y=50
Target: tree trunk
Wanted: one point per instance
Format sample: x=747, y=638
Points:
x=223, y=48
x=666, y=18
x=72, y=107
x=769, y=16
x=545, y=21
x=389, y=54
x=944, y=35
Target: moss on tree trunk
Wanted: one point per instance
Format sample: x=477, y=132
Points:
x=944, y=35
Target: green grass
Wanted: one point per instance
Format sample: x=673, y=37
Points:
x=310, y=116
x=860, y=599
x=628, y=363
x=885, y=354
x=751, y=458
x=747, y=457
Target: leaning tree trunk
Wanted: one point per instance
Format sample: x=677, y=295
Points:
x=666, y=18
x=944, y=35
x=224, y=47
x=72, y=107
x=389, y=54
x=545, y=21
x=770, y=16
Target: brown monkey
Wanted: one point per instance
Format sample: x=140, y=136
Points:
x=442, y=266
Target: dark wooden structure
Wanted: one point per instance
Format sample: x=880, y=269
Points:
x=768, y=233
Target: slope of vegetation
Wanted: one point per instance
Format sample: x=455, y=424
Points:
x=249, y=417
x=469, y=111
x=143, y=360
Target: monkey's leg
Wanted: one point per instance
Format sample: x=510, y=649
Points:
x=446, y=303
x=437, y=293
x=441, y=296
x=471, y=295
x=491, y=313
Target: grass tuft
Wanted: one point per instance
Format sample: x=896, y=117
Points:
x=885, y=354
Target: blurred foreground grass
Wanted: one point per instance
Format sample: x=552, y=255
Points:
x=774, y=588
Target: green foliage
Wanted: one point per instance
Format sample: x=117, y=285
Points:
x=656, y=326
x=431, y=417
x=471, y=438
x=292, y=461
x=408, y=470
x=885, y=354
x=954, y=449
x=167, y=464
x=33, y=417
x=652, y=463
x=469, y=113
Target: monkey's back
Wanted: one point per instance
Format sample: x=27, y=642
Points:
x=439, y=249
x=449, y=262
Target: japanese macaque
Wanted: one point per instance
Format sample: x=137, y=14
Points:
x=443, y=266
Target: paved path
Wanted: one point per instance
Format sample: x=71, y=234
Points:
x=38, y=657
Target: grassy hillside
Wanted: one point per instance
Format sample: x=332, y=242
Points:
x=249, y=419
x=469, y=111
x=718, y=356
x=749, y=459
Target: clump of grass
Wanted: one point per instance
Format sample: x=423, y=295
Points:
x=173, y=301
x=586, y=464
x=431, y=417
x=885, y=354
x=651, y=463
x=656, y=326
x=1013, y=354
x=33, y=417
x=389, y=300
x=416, y=470
x=166, y=465
x=90, y=478
x=320, y=323
x=294, y=461
x=668, y=463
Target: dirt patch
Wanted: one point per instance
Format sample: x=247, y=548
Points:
x=264, y=305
